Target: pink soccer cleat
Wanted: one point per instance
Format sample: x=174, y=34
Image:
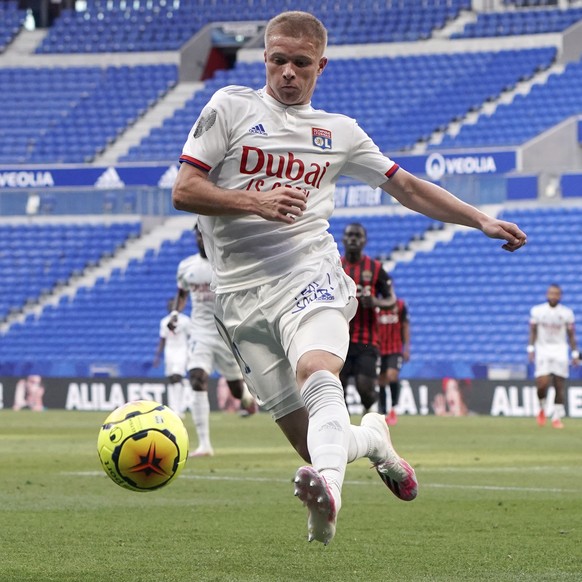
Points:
x=394, y=471
x=313, y=491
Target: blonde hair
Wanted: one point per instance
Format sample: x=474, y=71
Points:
x=298, y=24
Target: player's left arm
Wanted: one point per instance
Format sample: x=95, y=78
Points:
x=159, y=352
x=437, y=203
x=385, y=295
x=405, y=328
x=571, y=330
x=533, y=336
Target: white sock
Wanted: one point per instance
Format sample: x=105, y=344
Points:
x=543, y=404
x=559, y=412
x=361, y=444
x=328, y=434
x=201, y=418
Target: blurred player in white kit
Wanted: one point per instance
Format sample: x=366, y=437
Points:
x=173, y=346
x=551, y=332
x=207, y=351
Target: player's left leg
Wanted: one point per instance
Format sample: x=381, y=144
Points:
x=542, y=384
x=559, y=409
x=393, y=374
x=201, y=412
x=240, y=391
x=367, y=376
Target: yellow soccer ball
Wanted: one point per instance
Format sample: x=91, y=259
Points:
x=143, y=445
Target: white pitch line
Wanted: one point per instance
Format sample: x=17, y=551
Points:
x=228, y=478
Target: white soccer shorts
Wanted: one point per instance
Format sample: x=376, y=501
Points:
x=546, y=365
x=209, y=353
x=262, y=324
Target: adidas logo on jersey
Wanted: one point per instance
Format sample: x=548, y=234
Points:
x=259, y=129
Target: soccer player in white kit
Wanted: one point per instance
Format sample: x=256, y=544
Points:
x=207, y=351
x=173, y=344
x=551, y=330
x=260, y=168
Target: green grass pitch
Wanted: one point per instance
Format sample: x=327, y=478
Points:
x=500, y=499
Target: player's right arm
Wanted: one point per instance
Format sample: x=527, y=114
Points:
x=177, y=306
x=194, y=192
x=533, y=335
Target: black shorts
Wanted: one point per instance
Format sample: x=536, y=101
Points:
x=361, y=360
x=391, y=361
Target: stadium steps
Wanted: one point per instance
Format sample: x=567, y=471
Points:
x=24, y=44
x=170, y=230
x=488, y=108
x=456, y=25
x=424, y=245
x=166, y=107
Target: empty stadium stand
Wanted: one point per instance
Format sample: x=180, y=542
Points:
x=83, y=109
x=11, y=22
x=527, y=115
x=419, y=94
x=72, y=294
x=469, y=299
x=157, y=25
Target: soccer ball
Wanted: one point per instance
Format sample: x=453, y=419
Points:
x=143, y=445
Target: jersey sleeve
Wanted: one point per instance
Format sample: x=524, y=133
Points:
x=366, y=162
x=181, y=277
x=164, y=328
x=207, y=142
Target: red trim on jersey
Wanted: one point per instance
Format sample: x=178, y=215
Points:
x=364, y=325
x=194, y=162
x=392, y=170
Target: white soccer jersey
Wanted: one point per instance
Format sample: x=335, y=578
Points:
x=552, y=324
x=194, y=275
x=247, y=140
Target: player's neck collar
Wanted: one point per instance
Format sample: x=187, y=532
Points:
x=274, y=103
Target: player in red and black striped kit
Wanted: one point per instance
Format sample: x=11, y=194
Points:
x=374, y=289
x=394, y=330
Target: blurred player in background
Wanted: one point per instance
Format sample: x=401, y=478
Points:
x=373, y=290
x=260, y=168
x=173, y=345
x=551, y=329
x=394, y=333
x=29, y=393
x=207, y=351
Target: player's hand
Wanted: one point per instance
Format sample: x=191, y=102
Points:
x=367, y=302
x=282, y=204
x=173, y=322
x=507, y=231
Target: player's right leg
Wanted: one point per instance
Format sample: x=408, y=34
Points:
x=201, y=412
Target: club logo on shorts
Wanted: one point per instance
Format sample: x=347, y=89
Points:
x=321, y=138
